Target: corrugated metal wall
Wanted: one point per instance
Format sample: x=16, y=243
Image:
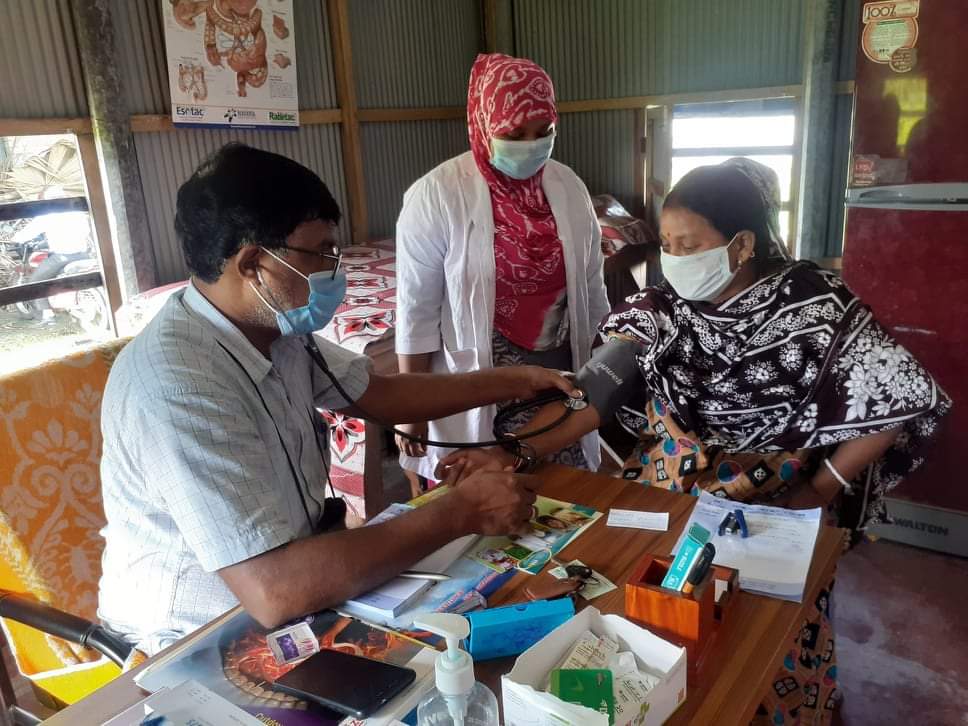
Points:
x=40, y=70
x=395, y=155
x=600, y=147
x=405, y=55
x=140, y=37
x=168, y=158
x=592, y=48
x=314, y=55
x=610, y=48
x=414, y=53
x=614, y=48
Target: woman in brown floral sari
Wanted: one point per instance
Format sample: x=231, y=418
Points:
x=765, y=380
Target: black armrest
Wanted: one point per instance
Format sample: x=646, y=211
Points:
x=62, y=625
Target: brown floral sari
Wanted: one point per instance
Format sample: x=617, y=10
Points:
x=745, y=397
x=748, y=393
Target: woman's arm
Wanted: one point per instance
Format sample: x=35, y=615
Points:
x=608, y=381
x=568, y=432
x=405, y=398
x=413, y=363
x=420, y=251
x=850, y=459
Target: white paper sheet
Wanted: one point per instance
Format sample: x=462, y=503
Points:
x=775, y=559
x=192, y=704
x=657, y=521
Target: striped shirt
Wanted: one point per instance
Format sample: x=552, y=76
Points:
x=212, y=455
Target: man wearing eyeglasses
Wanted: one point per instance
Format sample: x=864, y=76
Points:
x=214, y=460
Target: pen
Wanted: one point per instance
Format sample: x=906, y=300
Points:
x=700, y=569
x=418, y=575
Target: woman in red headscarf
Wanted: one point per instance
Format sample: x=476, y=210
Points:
x=498, y=255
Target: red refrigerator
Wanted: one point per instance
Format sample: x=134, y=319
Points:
x=906, y=238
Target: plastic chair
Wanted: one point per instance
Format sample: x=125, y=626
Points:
x=57, y=623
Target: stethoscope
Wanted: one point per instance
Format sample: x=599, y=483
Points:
x=292, y=468
x=514, y=443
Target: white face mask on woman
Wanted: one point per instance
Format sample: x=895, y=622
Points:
x=699, y=277
x=521, y=159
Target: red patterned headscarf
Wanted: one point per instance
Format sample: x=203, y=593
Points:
x=505, y=93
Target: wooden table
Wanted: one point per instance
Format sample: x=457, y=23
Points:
x=741, y=665
x=743, y=662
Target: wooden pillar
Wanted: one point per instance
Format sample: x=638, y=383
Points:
x=339, y=23
x=498, y=19
x=490, y=26
x=639, y=160
x=101, y=218
x=822, y=37
x=121, y=197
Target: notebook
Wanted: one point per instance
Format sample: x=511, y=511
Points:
x=389, y=599
x=395, y=596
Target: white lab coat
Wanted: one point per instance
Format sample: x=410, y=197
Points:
x=445, y=283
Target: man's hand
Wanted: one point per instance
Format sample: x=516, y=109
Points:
x=487, y=502
x=533, y=380
x=412, y=448
x=460, y=464
x=494, y=502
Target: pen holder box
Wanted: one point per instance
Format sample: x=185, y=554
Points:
x=691, y=621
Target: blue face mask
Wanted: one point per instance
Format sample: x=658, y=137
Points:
x=326, y=293
x=521, y=159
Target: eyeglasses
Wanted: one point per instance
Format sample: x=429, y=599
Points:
x=335, y=254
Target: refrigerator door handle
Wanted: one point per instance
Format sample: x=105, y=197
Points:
x=942, y=197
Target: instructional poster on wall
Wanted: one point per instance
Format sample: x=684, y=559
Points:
x=231, y=63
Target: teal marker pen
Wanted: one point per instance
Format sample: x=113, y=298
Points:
x=689, y=552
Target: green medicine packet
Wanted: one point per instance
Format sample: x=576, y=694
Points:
x=591, y=687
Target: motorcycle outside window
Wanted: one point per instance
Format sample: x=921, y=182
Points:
x=52, y=299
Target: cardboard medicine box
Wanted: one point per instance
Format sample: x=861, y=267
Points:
x=527, y=704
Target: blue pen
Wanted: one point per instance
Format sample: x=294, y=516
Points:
x=741, y=521
x=154, y=721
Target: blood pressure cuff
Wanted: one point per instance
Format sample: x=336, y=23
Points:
x=611, y=377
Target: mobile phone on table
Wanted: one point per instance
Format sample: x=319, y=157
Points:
x=350, y=684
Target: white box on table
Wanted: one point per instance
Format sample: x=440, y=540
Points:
x=526, y=704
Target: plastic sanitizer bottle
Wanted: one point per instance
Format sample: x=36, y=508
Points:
x=458, y=700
